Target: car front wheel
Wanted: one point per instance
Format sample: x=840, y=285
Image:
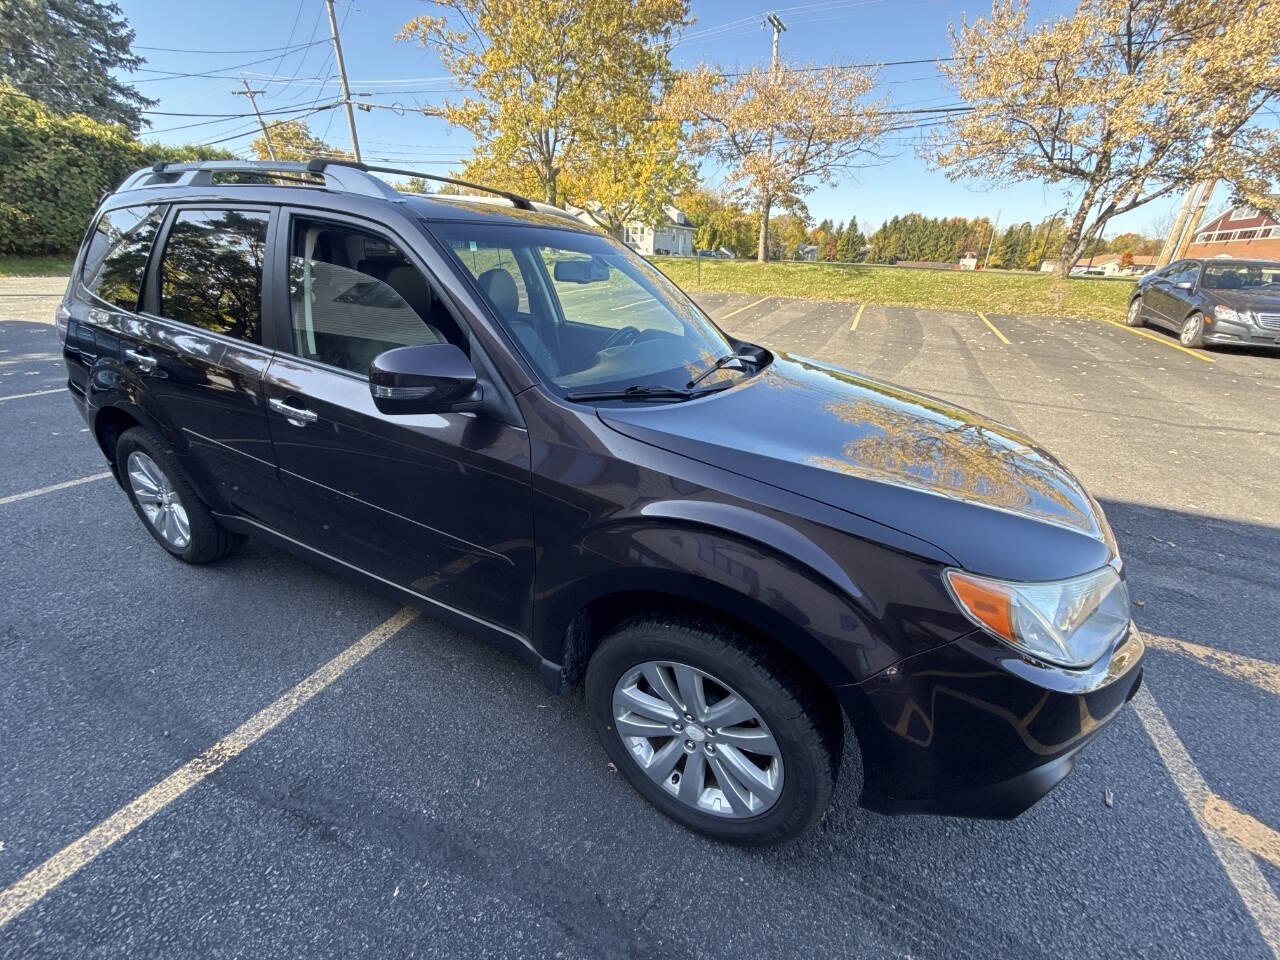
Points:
x=718, y=734
x=1192, y=332
x=1134, y=317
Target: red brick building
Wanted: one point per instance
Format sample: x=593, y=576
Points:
x=1242, y=232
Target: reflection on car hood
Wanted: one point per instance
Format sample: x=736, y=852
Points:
x=937, y=472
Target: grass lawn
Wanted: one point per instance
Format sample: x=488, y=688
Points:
x=988, y=291
x=35, y=266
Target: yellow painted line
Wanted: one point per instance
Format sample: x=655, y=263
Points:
x=858, y=316
x=15, y=497
x=734, y=313
x=1250, y=832
x=45, y=878
x=1241, y=869
x=1261, y=673
x=983, y=317
x=1163, y=341
x=38, y=393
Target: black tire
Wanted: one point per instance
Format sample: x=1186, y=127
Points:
x=1134, y=317
x=807, y=726
x=208, y=540
x=1192, y=332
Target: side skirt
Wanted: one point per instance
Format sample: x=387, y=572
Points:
x=506, y=640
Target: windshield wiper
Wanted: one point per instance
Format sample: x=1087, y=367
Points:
x=633, y=392
x=722, y=362
x=642, y=392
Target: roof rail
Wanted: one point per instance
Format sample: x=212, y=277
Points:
x=201, y=173
x=323, y=164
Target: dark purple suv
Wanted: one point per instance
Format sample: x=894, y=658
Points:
x=499, y=416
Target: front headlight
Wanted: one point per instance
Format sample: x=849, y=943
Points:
x=1221, y=312
x=1067, y=623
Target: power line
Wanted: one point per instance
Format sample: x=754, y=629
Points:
x=214, y=72
x=223, y=52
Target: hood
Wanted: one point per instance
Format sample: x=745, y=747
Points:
x=976, y=489
x=1267, y=301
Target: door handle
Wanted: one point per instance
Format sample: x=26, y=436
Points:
x=146, y=363
x=298, y=416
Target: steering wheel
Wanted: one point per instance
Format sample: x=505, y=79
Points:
x=627, y=336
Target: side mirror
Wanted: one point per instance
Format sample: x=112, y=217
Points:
x=421, y=379
x=1184, y=284
x=594, y=270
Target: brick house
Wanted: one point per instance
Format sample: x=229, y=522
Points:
x=1242, y=232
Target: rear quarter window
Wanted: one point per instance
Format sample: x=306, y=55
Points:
x=116, y=253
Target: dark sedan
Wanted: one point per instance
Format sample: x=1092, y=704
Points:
x=1220, y=301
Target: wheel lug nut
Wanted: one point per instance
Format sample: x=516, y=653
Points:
x=688, y=745
x=677, y=726
x=711, y=748
x=710, y=732
x=688, y=718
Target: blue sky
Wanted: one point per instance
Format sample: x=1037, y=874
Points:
x=245, y=39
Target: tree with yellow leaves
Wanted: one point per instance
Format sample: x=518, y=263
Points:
x=780, y=130
x=293, y=140
x=1125, y=101
x=560, y=98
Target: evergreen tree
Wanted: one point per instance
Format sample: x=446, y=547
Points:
x=63, y=52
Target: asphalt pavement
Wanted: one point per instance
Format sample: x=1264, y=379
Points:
x=435, y=801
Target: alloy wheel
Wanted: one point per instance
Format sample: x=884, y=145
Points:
x=1135, y=312
x=698, y=739
x=159, y=500
x=1191, y=327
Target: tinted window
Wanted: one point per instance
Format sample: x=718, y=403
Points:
x=1186, y=273
x=1241, y=276
x=354, y=294
x=116, y=254
x=211, y=274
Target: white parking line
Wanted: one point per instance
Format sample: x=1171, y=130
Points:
x=1242, y=870
x=41, y=881
x=15, y=497
x=37, y=393
x=635, y=304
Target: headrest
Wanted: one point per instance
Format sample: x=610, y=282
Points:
x=500, y=287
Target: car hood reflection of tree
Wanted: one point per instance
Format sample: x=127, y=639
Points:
x=827, y=434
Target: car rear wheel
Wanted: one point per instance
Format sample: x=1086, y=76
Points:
x=1134, y=317
x=1192, y=332
x=166, y=502
x=718, y=734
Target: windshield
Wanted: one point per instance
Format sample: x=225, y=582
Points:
x=585, y=310
x=1240, y=275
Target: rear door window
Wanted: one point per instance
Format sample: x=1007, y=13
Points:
x=211, y=272
x=115, y=258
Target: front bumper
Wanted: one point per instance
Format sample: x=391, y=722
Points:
x=973, y=729
x=1228, y=332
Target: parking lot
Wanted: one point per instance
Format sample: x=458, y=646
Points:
x=431, y=799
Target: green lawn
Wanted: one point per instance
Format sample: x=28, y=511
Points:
x=35, y=266
x=989, y=291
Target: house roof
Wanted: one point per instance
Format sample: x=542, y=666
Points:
x=1240, y=217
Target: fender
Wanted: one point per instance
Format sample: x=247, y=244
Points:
x=114, y=386
x=754, y=568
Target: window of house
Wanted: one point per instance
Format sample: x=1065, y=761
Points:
x=211, y=273
x=354, y=294
x=116, y=254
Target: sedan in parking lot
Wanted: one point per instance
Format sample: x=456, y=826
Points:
x=1219, y=301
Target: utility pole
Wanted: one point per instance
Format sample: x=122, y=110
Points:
x=252, y=95
x=773, y=21
x=1193, y=222
x=342, y=74
x=990, y=240
x=1175, y=233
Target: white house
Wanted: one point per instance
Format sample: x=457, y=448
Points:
x=674, y=237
